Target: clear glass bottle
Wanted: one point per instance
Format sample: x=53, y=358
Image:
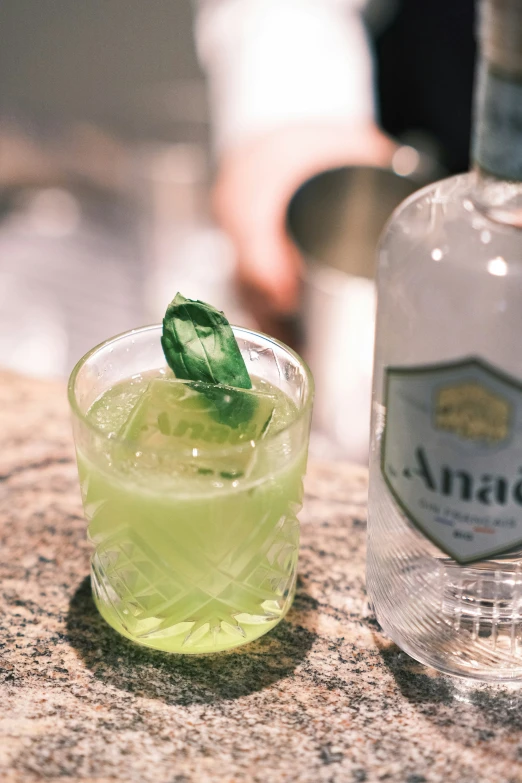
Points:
x=445, y=508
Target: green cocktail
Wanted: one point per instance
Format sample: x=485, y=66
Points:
x=191, y=491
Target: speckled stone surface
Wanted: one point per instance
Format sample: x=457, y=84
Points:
x=322, y=698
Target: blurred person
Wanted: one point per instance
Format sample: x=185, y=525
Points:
x=299, y=86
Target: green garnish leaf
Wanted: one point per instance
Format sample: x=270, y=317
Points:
x=234, y=408
x=199, y=344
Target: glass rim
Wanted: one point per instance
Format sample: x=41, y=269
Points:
x=240, y=330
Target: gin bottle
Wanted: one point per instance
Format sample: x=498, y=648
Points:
x=445, y=508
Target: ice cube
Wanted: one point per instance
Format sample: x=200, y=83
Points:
x=175, y=413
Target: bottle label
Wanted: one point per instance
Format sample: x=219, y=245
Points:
x=452, y=455
x=498, y=130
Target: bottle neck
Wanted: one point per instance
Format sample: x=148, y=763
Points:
x=497, y=138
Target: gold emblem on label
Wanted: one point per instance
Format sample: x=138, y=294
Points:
x=472, y=412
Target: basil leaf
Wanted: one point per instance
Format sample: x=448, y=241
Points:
x=199, y=344
x=232, y=408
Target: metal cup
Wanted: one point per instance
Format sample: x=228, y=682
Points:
x=335, y=220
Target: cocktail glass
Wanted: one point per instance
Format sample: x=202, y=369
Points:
x=195, y=549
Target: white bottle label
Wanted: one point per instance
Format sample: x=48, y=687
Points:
x=498, y=131
x=452, y=455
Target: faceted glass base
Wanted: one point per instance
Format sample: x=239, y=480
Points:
x=219, y=608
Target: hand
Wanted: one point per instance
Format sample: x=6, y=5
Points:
x=254, y=185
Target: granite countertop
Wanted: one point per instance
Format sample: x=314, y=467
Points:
x=323, y=698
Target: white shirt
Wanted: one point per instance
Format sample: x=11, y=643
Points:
x=276, y=62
